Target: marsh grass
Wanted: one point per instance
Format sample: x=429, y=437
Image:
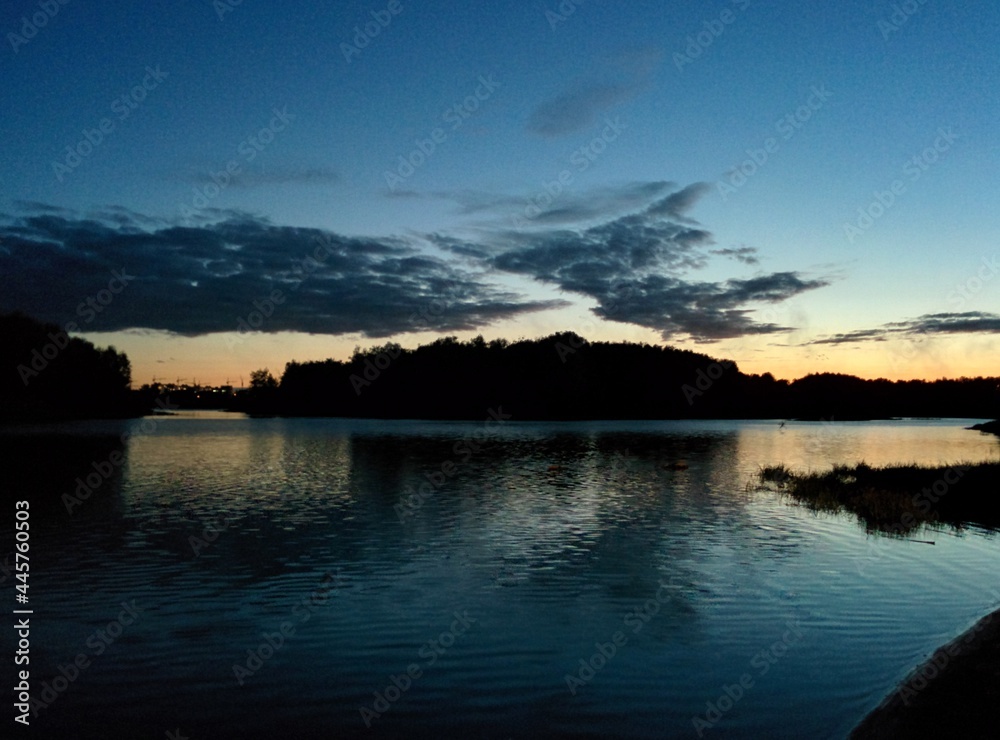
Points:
x=896, y=499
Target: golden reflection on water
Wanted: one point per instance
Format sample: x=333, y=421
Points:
x=538, y=479
x=549, y=534
x=820, y=445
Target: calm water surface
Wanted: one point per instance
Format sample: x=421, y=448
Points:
x=528, y=547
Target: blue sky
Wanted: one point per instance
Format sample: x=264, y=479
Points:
x=799, y=188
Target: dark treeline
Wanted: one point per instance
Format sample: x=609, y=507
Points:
x=49, y=375
x=564, y=377
x=46, y=374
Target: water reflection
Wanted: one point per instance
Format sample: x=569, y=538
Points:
x=552, y=536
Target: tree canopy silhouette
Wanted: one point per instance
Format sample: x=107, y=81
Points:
x=47, y=374
x=563, y=376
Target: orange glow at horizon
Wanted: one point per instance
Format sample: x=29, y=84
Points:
x=217, y=358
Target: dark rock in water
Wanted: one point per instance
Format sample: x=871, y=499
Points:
x=990, y=427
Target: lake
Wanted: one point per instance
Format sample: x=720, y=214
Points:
x=258, y=578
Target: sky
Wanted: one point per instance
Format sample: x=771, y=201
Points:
x=215, y=187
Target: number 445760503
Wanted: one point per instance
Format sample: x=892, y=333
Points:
x=21, y=554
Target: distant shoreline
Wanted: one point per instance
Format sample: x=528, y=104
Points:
x=954, y=693
x=136, y=413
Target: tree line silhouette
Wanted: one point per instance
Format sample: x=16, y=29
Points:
x=563, y=376
x=47, y=374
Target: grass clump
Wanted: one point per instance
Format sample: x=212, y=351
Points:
x=897, y=499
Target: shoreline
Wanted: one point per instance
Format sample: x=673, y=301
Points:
x=954, y=693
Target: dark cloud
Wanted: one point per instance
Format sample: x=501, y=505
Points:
x=634, y=267
x=676, y=205
x=577, y=110
x=861, y=335
x=746, y=255
x=204, y=278
x=631, y=249
x=462, y=247
x=125, y=218
x=541, y=209
x=619, y=78
x=639, y=63
x=969, y=322
x=951, y=323
x=34, y=206
x=706, y=311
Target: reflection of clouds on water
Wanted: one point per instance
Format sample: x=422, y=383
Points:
x=586, y=503
x=554, y=535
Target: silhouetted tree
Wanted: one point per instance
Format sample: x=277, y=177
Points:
x=47, y=374
x=262, y=395
x=563, y=376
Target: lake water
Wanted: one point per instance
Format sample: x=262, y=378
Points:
x=480, y=604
